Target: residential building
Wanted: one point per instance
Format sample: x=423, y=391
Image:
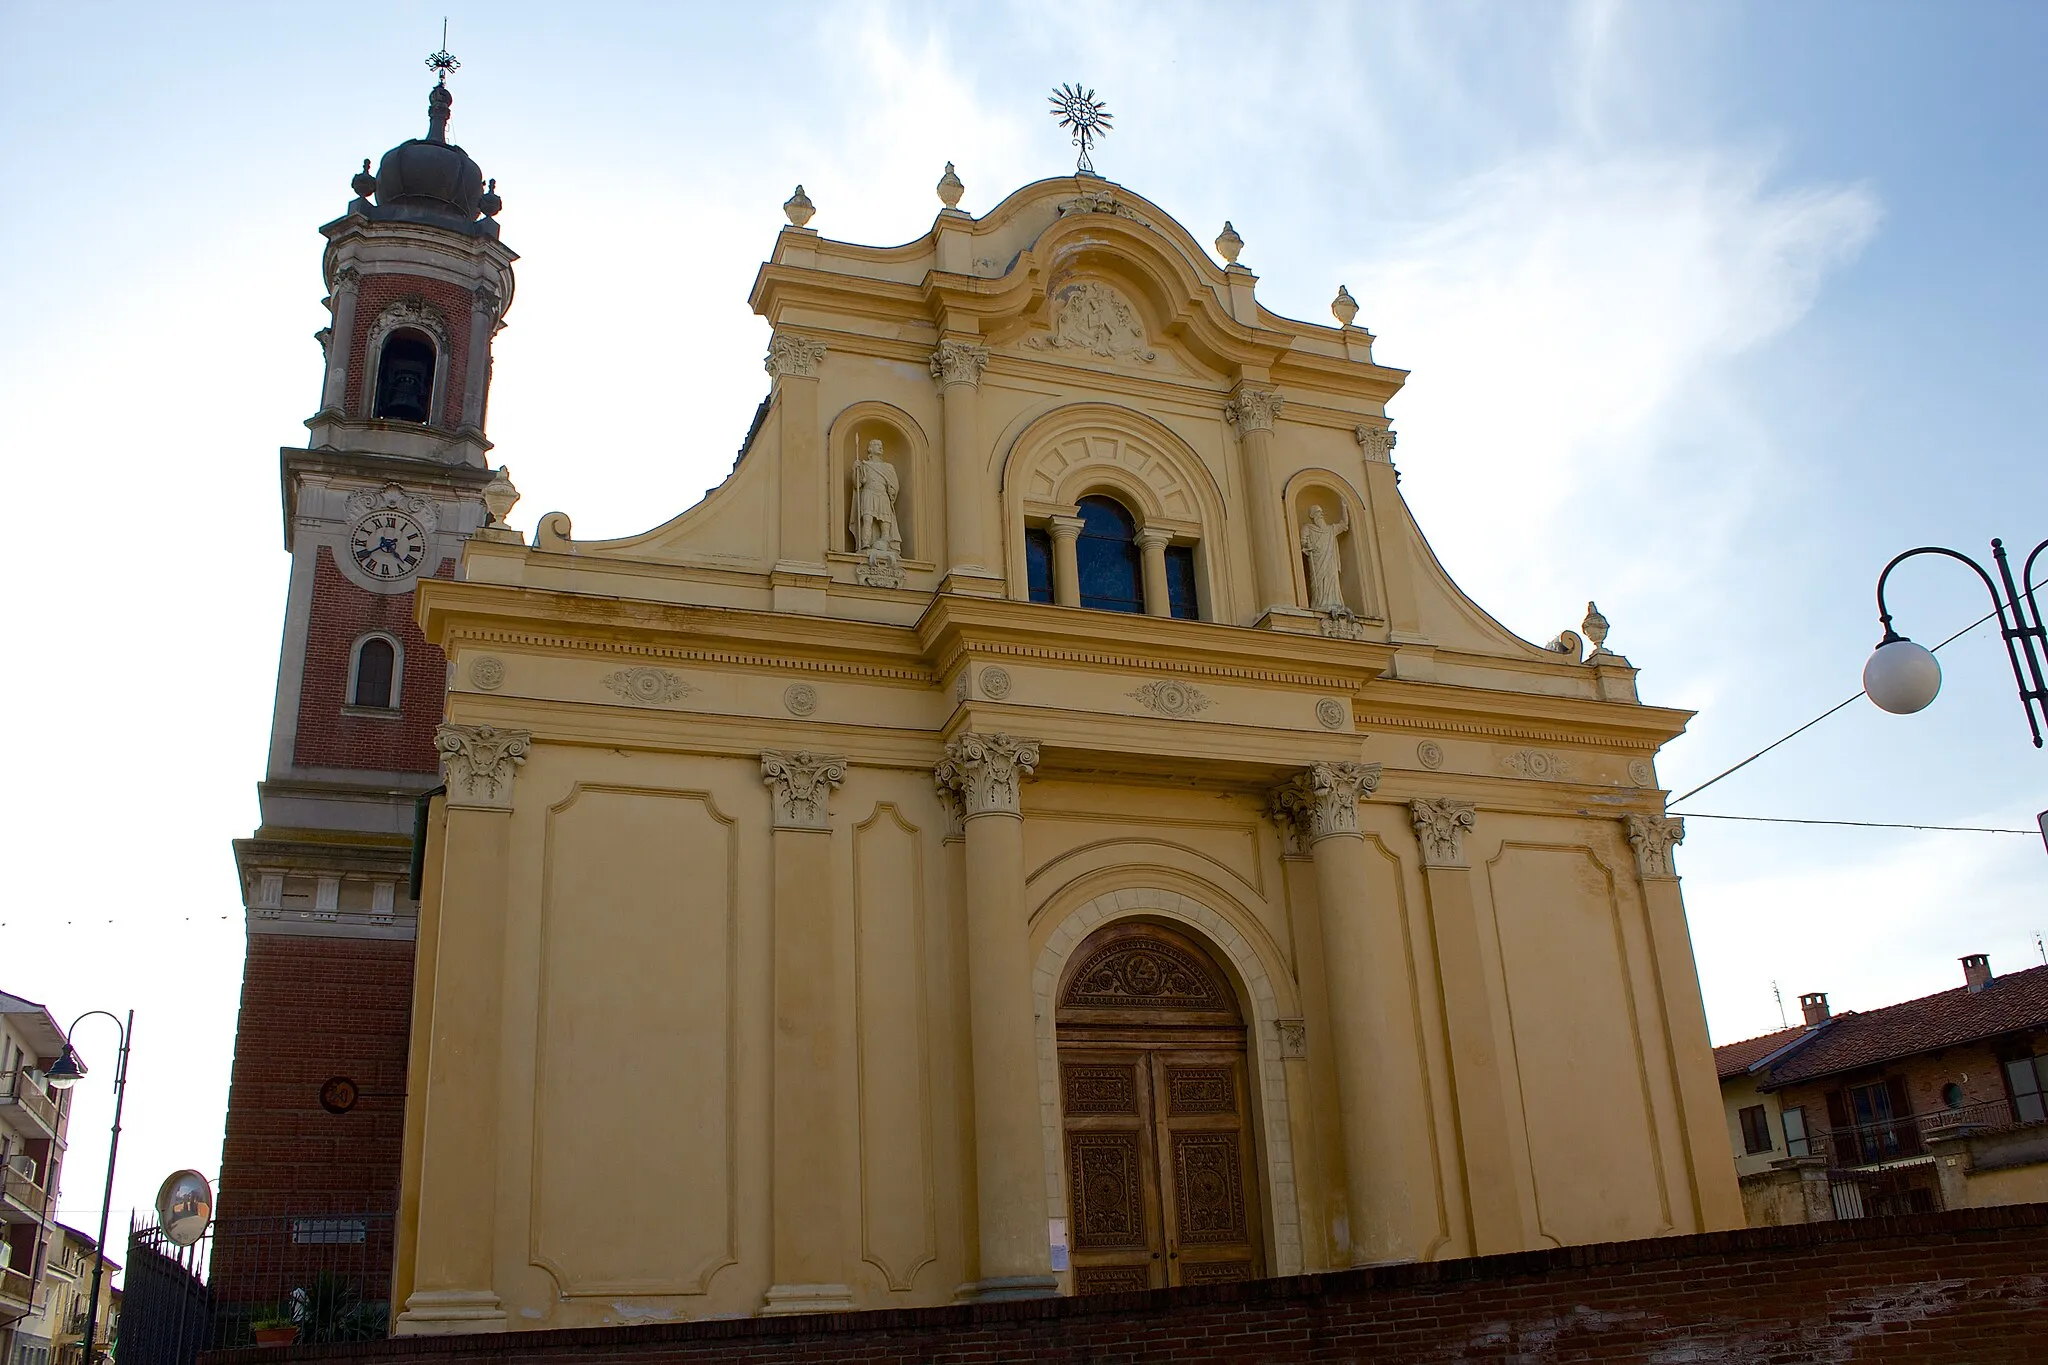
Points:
x=1940, y=1102
x=59, y=1322
x=33, y=1118
x=1046, y=823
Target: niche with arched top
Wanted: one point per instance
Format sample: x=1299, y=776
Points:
x=905, y=451
x=1317, y=492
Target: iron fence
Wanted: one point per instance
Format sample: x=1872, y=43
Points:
x=1904, y=1139
x=327, y=1275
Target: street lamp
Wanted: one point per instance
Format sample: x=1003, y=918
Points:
x=1903, y=677
x=66, y=1073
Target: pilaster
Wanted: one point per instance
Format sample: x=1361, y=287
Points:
x=1253, y=411
x=800, y=573
x=808, y=1165
x=454, y=1270
x=1717, y=1198
x=986, y=771
x=957, y=366
x=1491, y=1178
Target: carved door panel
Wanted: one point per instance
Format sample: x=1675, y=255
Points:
x=1209, y=1189
x=1112, y=1171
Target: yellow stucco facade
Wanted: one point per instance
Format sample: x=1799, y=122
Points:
x=762, y=940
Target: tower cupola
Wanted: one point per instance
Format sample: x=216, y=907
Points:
x=418, y=286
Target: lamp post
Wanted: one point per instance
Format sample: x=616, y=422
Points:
x=65, y=1074
x=1903, y=677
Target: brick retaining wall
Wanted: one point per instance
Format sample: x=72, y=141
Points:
x=1969, y=1287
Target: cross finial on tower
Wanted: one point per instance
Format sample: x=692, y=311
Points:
x=444, y=60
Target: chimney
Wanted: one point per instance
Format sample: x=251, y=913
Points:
x=1814, y=1005
x=1977, y=971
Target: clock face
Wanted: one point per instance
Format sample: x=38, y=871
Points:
x=388, y=545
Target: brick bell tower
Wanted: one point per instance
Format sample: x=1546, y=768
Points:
x=385, y=493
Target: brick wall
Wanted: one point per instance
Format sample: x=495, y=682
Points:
x=1969, y=1288
x=341, y=614
x=314, y=1008
x=376, y=293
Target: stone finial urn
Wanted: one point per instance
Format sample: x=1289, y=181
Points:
x=1344, y=307
x=500, y=496
x=799, y=207
x=951, y=188
x=1229, y=243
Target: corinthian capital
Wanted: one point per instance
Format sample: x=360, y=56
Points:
x=985, y=771
x=1377, y=443
x=793, y=356
x=959, y=362
x=478, y=763
x=1252, y=410
x=1652, y=837
x=799, y=784
x=1323, y=800
x=1440, y=827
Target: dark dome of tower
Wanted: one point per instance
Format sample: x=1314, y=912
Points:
x=430, y=179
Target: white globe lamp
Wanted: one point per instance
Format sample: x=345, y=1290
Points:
x=1902, y=677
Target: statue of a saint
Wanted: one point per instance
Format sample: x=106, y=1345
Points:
x=872, y=518
x=1319, y=548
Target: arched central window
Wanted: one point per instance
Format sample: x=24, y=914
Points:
x=1107, y=557
x=405, y=379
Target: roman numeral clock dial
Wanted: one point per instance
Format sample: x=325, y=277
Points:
x=388, y=545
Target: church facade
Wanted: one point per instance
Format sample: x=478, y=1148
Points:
x=1045, y=824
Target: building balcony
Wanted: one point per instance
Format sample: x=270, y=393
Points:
x=21, y=1199
x=1907, y=1139
x=17, y=1295
x=32, y=1109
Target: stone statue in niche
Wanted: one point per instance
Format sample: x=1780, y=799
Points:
x=872, y=519
x=1325, y=575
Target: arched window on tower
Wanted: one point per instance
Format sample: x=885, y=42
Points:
x=405, y=379
x=373, y=674
x=1107, y=557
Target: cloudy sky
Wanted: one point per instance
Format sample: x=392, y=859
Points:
x=1711, y=309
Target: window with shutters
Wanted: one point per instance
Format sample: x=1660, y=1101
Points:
x=1878, y=1119
x=1756, y=1130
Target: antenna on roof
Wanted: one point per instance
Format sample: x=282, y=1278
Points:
x=2041, y=948
x=1779, y=996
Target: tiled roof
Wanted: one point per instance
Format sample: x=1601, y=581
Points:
x=1732, y=1059
x=2008, y=1004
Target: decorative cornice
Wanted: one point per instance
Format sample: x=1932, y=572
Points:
x=1652, y=837
x=1252, y=410
x=1138, y=663
x=985, y=770
x=959, y=362
x=470, y=635
x=793, y=357
x=1322, y=801
x=1441, y=824
x=799, y=784
x=1468, y=727
x=478, y=763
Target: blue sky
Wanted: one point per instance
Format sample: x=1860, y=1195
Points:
x=1711, y=309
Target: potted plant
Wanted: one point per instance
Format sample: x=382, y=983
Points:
x=274, y=1327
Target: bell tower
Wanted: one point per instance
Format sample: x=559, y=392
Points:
x=385, y=492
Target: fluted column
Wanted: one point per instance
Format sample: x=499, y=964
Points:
x=1253, y=411
x=483, y=316
x=1493, y=1193
x=1152, y=549
x=957, y=366
x=1717, y=1201
x=454, y=1275
x=1066, y=565
x=334, y=393
x=1016, y=1262
x=795, y=362
x=1379, y=1067
x=808, y=1265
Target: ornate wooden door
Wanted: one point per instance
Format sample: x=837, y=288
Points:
x=1161, y=1182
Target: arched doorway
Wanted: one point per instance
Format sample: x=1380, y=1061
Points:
x=1155, y=1097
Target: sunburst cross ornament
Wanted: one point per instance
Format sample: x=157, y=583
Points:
x=1085, y=115
x=444, y=60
